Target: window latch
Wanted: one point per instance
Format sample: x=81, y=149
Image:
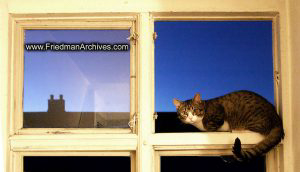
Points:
x=155, y=116
x=277, y=77
x=132, y=122
x=154, y=36
x=133, y=37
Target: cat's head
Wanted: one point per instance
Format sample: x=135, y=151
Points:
x=190, y=111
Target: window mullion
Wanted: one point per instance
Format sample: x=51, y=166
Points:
x=145, y=150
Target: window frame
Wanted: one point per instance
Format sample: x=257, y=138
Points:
x=198, y=16
x=19, y=23
x=66, y=141
x=202, y=142
x=143, y=144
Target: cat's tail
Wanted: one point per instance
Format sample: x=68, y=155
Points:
x=270, y=141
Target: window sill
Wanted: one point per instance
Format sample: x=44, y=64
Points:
x=59, y=131
x=74, y=142
x=204, y=138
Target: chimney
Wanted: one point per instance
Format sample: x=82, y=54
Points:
x=56, y=105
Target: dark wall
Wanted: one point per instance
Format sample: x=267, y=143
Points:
x=76, y=164
x=209, y=164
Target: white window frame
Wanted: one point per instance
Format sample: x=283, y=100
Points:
x=20, y=23
x=214, y=143
x=143, y=145
x=66, y=141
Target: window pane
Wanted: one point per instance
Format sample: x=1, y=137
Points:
x=212, y=58
x=75, y=164
x=211, y=164
x=81, y=81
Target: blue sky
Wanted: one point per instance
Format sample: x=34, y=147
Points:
x=89, y=81
x=212, y=58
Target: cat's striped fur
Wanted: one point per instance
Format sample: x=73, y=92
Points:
x=241, y=110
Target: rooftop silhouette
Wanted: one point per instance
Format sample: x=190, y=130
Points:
x=56, y=105
x=57, y=117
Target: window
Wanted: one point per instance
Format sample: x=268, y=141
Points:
x=76, y=79
x=207, y=163
x=84, y=76
x=73, y=105
x=146, y=146
x=212, y=58
x=75, y=164
x=212, y=55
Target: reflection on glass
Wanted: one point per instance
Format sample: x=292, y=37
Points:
x=212, y=58
x=80, y=81
x=75, y=164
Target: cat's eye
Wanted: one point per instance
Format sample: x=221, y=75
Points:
x=184, y=115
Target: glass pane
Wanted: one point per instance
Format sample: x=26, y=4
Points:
x=76, y=79
x=212, y=58
x=211, y=164
x=75, y=164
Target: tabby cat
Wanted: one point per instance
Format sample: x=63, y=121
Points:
x=241, y=110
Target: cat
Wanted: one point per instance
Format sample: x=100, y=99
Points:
x=240, y=110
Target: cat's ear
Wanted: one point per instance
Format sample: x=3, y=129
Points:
x=197, y=98
x=177, y=103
